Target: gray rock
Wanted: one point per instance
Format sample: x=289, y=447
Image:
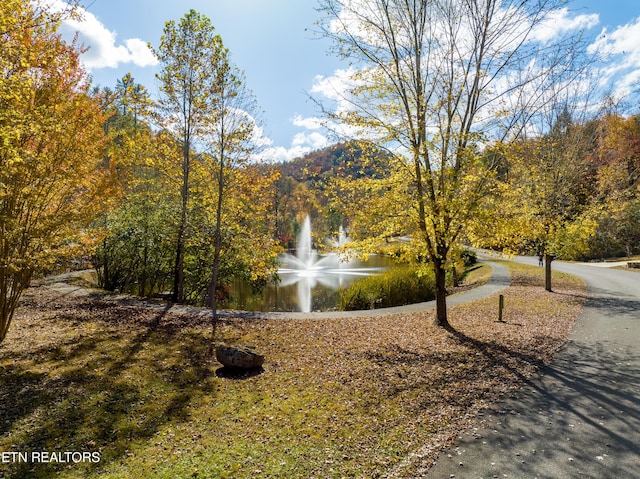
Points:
x=241, y=357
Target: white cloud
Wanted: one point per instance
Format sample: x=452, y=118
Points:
x=301, y=144
x=103, y=48
x=310, y=123
x=623, y=39
x=313, y=140
x=336, y=88
x=282, y=154
x=561, y=21
x=141, y=55
x=620, y=53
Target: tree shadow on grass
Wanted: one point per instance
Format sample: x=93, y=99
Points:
x=102, y=393
x=448, y=376
x=226, y=372
x=498, y=354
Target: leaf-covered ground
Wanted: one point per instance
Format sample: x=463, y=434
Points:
x=369, y=397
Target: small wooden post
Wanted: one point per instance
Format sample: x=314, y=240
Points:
x=500, y=308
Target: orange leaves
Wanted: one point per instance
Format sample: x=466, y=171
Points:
x=621, y=138
x=618, y=154
x=52, y=138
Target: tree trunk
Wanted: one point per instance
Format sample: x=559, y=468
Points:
x=105, y=266
x=441, y=295
x=178, y=272
x=142, y=286
x=547, y=271
x=11, y=287
x=213, y=300
x=213, y=286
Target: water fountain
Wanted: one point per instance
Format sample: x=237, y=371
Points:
x=308, y=280
x=307, y=269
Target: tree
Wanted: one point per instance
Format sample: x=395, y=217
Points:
x=137, y=250
x=617, y=158
x=238, y=244
x=547, y=190
x=547, y=175
x=207, y=107
x=51, y=160
x=434, y=80
x=231, y=133
x=189, y=53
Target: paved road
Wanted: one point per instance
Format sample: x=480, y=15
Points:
x=580, y=418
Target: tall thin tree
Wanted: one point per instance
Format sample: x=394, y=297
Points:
x=434, y=80
x=231, y=141
x=188, y=53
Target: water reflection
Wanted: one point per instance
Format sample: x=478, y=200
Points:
x=307, y=289
x=323, y=274
x=308, y=281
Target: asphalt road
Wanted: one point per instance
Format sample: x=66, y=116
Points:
x=580, y=417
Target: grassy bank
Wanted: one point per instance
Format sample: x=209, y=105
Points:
x=370, y=397
x=404, y=284
x=396, y=287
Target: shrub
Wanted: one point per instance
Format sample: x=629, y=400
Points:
x=469, y=257
x=395, y=287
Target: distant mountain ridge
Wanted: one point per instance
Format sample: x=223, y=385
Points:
x=347, y=159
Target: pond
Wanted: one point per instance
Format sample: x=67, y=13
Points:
x=308, y=281
x=312, y=286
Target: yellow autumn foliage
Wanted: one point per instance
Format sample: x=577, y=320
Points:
x=51, y=154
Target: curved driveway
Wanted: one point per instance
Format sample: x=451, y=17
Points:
x=580, y=418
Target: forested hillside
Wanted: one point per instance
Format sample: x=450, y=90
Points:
x=307, y=185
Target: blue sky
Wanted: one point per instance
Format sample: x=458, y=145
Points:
x=273, y=42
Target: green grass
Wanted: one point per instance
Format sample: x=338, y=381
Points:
x=161, y=412
x=396, y=287
x=403, y=285
x=337, y=398
x=477, y=275
x=534, y=276
x=150, y=402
